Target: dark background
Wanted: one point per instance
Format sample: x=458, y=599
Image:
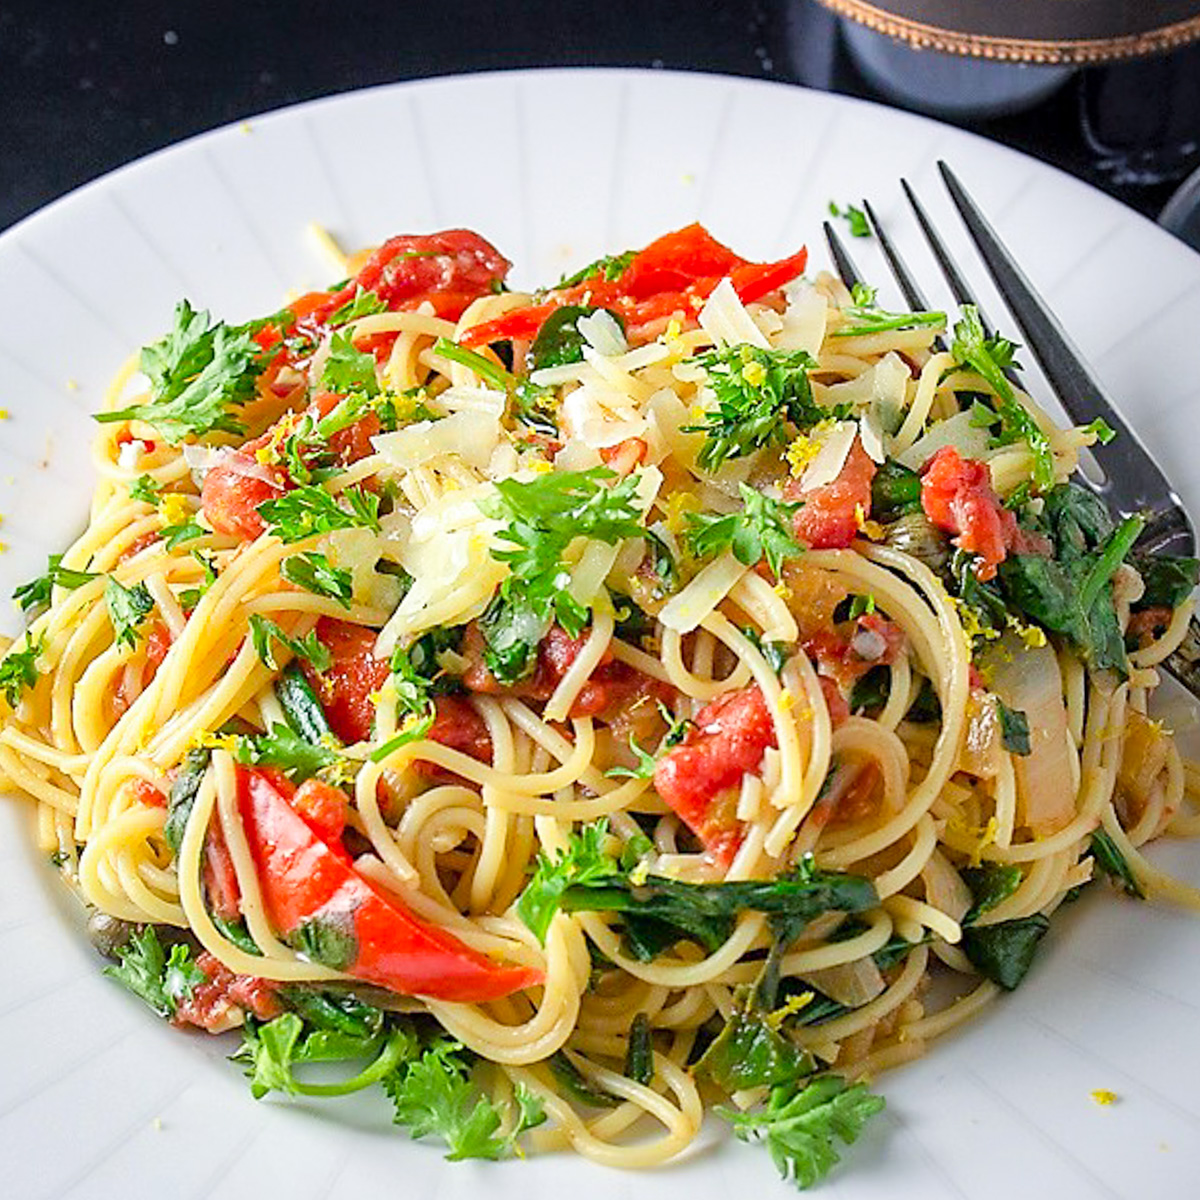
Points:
x=85, y=87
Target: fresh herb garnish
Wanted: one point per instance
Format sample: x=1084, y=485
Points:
x=434, y=1096
x=583, y=861
x=867, y=317
x=37, y=592
x=543, y=517
x=609, y=268
x=127, y=609
x=305, y=511
x=314, y=573
x=1014, y=730
x=990, y=358
x=758, y=393
x=362, y=304
x=348, y=369
x=762, y=530
x=856, y=219
x=162, y=981
x=801, y=1122
x=1113, y=863
x=197, y=373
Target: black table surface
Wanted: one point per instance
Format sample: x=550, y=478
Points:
x=88, y=86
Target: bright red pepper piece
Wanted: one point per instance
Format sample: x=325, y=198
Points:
x=305, y=880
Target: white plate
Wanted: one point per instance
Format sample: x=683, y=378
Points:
x=97, y=1097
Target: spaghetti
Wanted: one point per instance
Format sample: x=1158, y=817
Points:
x=654, y=684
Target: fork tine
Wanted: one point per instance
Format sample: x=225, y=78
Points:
x=1064, y=367
x=913, y=296
x=959, y=287
x=849, y=273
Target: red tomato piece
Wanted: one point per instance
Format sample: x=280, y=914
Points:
x=220, y=877
x=957, y=496
x=610, y=688
x=460, y=727
x=323, y=806
x=144, y=792
x=832, y=513
x=839, y=707
x=697, y=777
x=344, y=690
x=306, y=880
x=235, y=487
x=849, y=652
x=675, y=260
x=521, y=324
x=216, y=1004
x=450, y=268
x=353, y=442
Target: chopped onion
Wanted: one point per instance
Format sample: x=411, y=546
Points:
x=1027, y=679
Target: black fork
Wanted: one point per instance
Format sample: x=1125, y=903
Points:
x=1133, y=483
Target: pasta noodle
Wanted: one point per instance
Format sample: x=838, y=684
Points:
x=597, y=673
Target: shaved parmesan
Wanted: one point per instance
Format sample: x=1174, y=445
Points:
x=358, y=551
x=724, y=316
x=603, y=333
x=685, y=610
x=969, y=440
x=872, y=436
x=469, y=435
x=473, y=399
x=599, y=417
x=804, y=319
x=835, y=449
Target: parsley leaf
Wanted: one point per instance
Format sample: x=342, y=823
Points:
x=989, y=358
x=583, y=861
x=414, y=696
x=856, y=219
x=190, y=597
x=146, y=970
x=435, y=1096
x=127, y=609
x=801, y=1121
x=1014, y=729
x=364, y=303
x=37, y=592
x=544, y=515
x=763, y=529
x=314, y=573
x=263, y=631
x=18, y=670
x=273, y=1050
x=609, y=268
x=145, y=489
x=197, y=373
x=176, y=535
x=867, y=317
x=758, y=392
x=304, y=511
x=348, y=369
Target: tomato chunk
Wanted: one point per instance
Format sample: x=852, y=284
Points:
x=611, y=687
x=345, y=689
x=696, y=778
x=235, y=487
x=848, y=652
x=450, y=268
x=957, y=496
x=309, y=884
x=217, y=1004
x=833, y=513
x=672, y=277
x=457, y=725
